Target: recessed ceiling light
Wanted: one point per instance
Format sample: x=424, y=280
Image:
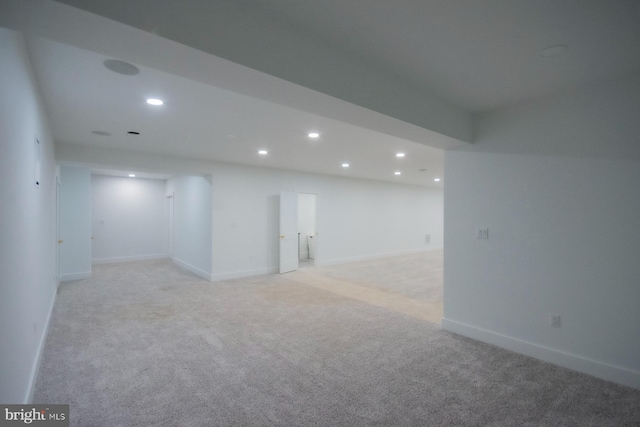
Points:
x=399, y=154
x=100, y=132
x=345, y=165
x=263, y=152
x=436, y=179
x=133, y=132
x=397, y=173
x=132, y=175
x=556, y=50
x=155, y=101
x=121, y=67
x=313, y=134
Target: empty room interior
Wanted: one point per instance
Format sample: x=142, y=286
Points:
x=321, y=213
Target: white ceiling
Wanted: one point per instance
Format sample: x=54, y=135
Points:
x=443, y=59
x=201, y=121
x=479, y=54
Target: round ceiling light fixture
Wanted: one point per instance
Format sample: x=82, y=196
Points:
x=436, y=179
x=345, y=165
x=263, y=152
x=155, y=101
x=397, y=173
x=555, y=50
x=121, y=67
x=132, y=175
x=314, y=134
x=400, y=155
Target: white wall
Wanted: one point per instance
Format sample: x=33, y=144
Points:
x=129, y=218
x=27, y=220
x=558, y=185
x=192, y=223
x=306, y=221
x=75, y=223
x=355, y=219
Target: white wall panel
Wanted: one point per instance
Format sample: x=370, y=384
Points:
x=129, y=218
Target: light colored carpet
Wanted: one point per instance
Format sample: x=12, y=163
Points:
x=148, y=344
x=409, y=284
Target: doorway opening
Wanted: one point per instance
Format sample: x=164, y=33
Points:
x=307, y=231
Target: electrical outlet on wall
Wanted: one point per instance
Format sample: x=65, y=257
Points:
x=482, y=233
x=554, y=320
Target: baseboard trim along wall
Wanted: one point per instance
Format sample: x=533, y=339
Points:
x=129, y=258
x=243, y=273
x=373, y=256
x=75, y=276
x=28, y=398
x=601, y=370
x=194, y=270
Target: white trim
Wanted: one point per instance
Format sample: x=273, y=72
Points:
x=616, y=374
x=128, y=258
x=273, y=270
x=194, y=270
x=28, y=398
x=75, y=276
x=244, y=273
x=374, y=256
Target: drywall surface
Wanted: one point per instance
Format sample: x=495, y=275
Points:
x=129, y=218
x=191, y=223
x=259, y=42
x=28, y=248
x=556, y=183
x=75, y=223
x=355, y=219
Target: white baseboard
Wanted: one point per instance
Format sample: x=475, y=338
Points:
x=595, y=368
x=128, y=258
x=244, y=273
x=75, y=276
x=273, y=270
x=334, y=261
x=193, y=269
x=28, y=398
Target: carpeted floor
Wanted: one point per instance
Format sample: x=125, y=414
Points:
x=148, y=344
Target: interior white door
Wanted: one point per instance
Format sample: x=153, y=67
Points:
x=288, y=231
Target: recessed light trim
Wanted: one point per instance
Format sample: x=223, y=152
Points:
x=314, y=135
x=345, y=165
x=397, y=173
x=263, y=152
x=436, y=179
x=155, y=101
x=132, y=175
x=400, y=155
x=121, y=67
